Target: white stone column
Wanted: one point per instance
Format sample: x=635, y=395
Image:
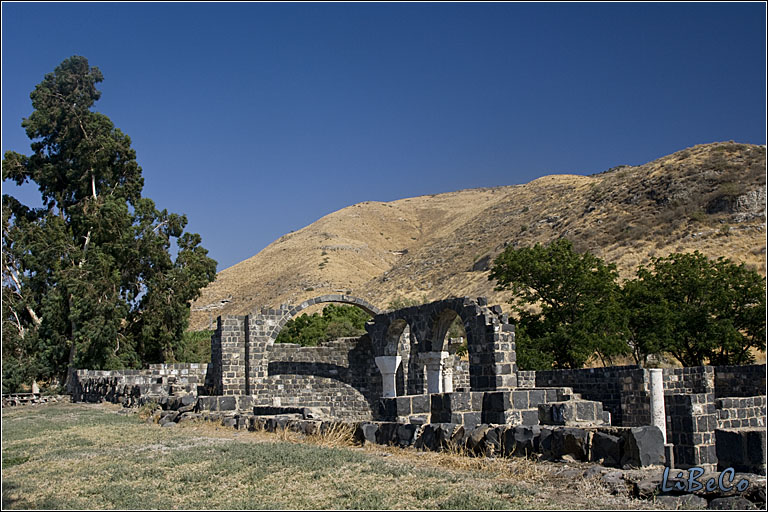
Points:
x=388, y=368
x=447, y=379
x=434, y=363
x=658, y=413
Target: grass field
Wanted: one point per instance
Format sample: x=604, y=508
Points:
x=72, y=456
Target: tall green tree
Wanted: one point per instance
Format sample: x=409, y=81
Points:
x=699, y=310
x=88, y=278
x=577, y=296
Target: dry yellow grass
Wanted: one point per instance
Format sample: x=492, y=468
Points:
x=426, y=246
x=72, y=456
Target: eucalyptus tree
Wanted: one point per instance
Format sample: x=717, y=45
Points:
x=88, y=278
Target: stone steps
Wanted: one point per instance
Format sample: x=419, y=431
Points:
x=515, y=407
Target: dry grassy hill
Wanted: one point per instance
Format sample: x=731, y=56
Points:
x=709, y=198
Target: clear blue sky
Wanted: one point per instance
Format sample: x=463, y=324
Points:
x=257, y=119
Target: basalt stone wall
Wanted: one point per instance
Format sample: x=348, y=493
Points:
x=121, y=385
x=691, y=424
x=741, y=412
x=526, y=379
x=460, y=373
x=689, y=400
x=689, y=380
x=621, y=389
x=340, y=376
x=228, y=355
x=745, y=380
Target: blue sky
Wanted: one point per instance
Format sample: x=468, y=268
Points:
x=257, y=119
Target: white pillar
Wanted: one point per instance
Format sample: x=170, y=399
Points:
x=658, y=413
x=388, y=368
x=447, y=380
x=434, y=363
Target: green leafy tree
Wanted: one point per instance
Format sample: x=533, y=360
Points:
x=699, y=310
x=578, y=296
x=335, y=322
x=644, y=306
x=88, y=278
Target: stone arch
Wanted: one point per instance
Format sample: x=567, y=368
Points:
x=490, y=339
x=441, y=325
x=293, y=311
x=397, y=333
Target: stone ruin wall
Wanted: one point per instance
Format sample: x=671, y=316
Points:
x=698, y=401
x=128, y=386
x=341, y=379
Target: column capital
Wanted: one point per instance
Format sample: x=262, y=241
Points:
x=434, y=358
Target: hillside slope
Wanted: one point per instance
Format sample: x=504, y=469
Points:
x=709, y=198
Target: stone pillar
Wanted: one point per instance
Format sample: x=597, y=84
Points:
x=434, y=362
x=658, y=414
x=448, y=379
x=388, y=368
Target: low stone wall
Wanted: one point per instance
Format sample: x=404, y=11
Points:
x=689, y=380
x=742, y=449
x=620, y=389
x=15, y=399
x=691, y=423
x=340, y=375
x=745, y=380
x=741, y=412
x=526, y=379
x=127, y=386
x=472, y=408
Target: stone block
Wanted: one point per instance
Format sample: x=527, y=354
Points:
x=428, y=438
x=420, y=404
x=756, y=445
x=496, y=401
x=530, y=417
x=642, y=446
x=168, y=417
x=403, y=405
x=406, y=434
x=458, y=401
x=537, y=396
x=386, y=434
x=227, y=403
x=472, y=419
x=439, y=408
x=546, y=438
x=493, y=440
x=476, y=400
x=585, y=411
x=521, y=440
x=186, y=408
x=387, y=408
x=571, y=441
x=606, y=449
x=475, y=436
x=743, y=449
x=520, y=399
